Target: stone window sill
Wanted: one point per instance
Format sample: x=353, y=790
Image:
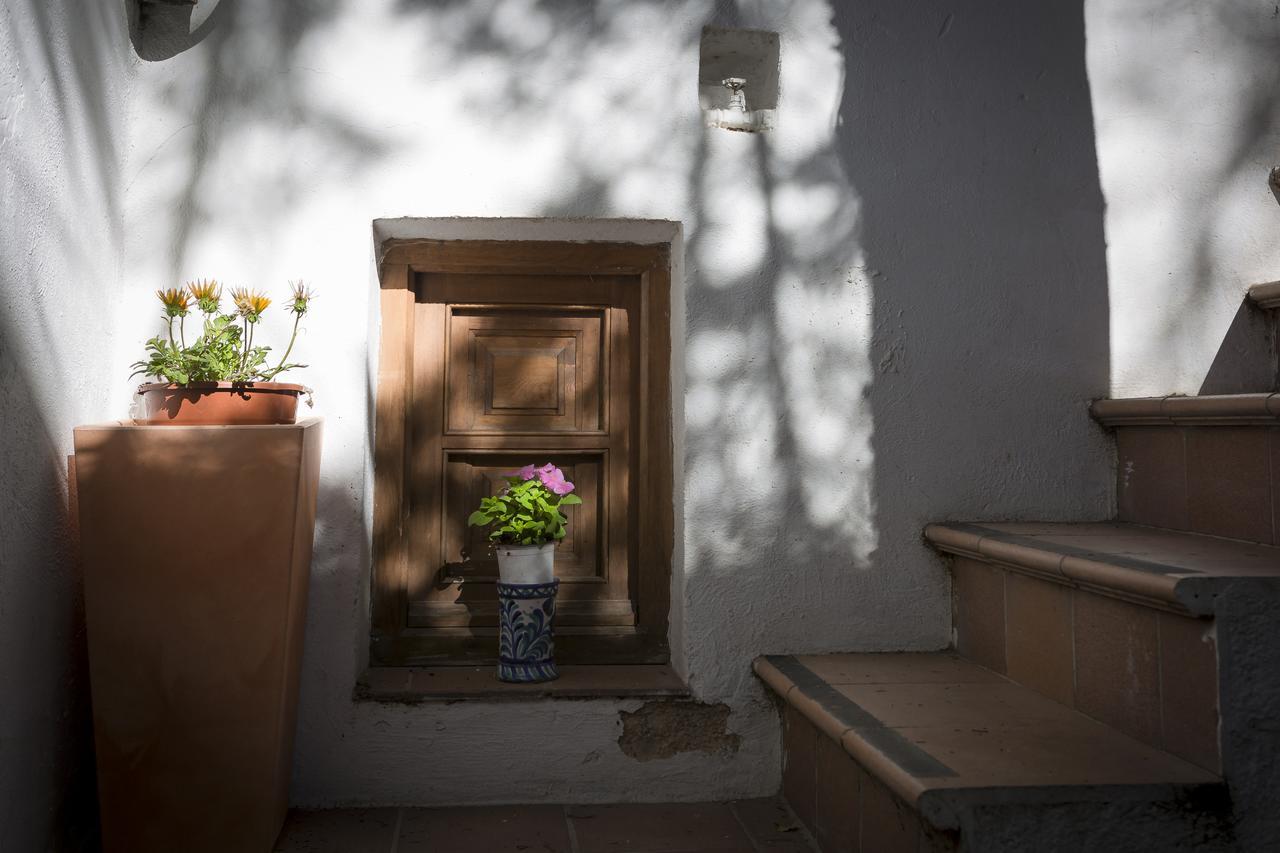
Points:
x=406, y=685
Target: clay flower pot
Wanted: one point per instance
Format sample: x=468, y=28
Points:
x=222, y=403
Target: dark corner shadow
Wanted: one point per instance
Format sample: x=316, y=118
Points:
x=44, y=598
x=1246, y=362
x=968, y=134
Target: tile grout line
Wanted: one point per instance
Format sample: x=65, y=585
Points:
x=573, y=833
x=395, y=836
x=751, y=839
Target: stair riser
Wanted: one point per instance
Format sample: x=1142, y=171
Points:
x=1219, y=480
x=1149, y=673
x=842, y=806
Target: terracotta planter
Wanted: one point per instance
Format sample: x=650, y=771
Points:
x=196, y=547
x=219, y=403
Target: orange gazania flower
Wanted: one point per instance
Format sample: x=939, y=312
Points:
x=207, y=292
x=302, y=296
x=176, y=302
x=249, y=303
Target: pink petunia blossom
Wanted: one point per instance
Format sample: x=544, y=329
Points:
x=525, y=473
x=553, y=478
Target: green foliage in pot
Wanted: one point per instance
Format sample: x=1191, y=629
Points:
x=527, y=511
x=225, y=350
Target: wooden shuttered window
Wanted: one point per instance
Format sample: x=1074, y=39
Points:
x=499, y=354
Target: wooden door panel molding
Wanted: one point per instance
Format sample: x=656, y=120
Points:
x=493, y=355
x=511, y=372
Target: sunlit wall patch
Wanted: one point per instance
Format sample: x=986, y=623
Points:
x=738, y=78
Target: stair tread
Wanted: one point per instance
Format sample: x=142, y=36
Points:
x=1170, y=566
x=935, y=723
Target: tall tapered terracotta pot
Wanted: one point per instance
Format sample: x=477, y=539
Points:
x=196, y=545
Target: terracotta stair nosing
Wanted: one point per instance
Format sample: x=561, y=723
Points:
x=873, y=745
x=1261, y=409
x=1157, y=591
x=1266, y=295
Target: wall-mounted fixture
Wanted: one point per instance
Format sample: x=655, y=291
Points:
x=147, y=8
x=1273, y=181
x=738, y=78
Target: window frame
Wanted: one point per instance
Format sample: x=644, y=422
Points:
x=392, y=641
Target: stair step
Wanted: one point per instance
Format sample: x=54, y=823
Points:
x=1166, y=569
x=1266, y=295
x=969, y=751
x=1206, y=464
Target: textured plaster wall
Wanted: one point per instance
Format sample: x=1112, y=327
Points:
x=1188, y=123
x=63, y=75
x=893, y=310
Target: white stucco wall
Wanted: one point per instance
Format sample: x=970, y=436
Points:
x=1188, y=123
x=63, y=75
x=895, y=309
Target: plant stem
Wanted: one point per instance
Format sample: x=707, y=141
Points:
x=172, y=343
x=297, y=318
x=182, y=331
x=244, y=352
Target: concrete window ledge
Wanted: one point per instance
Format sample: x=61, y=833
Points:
x=457, y=683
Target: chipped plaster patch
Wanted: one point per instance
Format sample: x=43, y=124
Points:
x=664, y=729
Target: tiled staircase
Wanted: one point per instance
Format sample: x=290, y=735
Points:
x=1113, y=686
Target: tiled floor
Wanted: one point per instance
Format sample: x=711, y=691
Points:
x=746, y=826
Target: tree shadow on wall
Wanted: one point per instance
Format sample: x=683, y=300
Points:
x=249, y=81
x=1243, y=40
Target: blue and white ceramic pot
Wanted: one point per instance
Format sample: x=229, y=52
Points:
x=526, y=650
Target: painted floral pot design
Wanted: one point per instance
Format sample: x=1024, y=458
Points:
x=526, y=649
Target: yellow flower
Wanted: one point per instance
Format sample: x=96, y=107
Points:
x=176, y=302
x=207, y=292
x=302, y=296
x=249, y=303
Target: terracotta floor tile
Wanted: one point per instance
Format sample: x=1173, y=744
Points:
x=1151, y=476
x=1117, y=664
x=978, y=612
x=1071, y=751
x=1038, y=645
x=772, y=826
x=485, y=829
x=838, y=789
x=800, y=744
x=1192, y=553
x=657, y=828
x=924, y=668
x=1045, y=528
x=1189, y=689
x=964, y=705
x=338, y=831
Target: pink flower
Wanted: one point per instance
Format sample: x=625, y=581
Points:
x=525, y=473
x=553, y=478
